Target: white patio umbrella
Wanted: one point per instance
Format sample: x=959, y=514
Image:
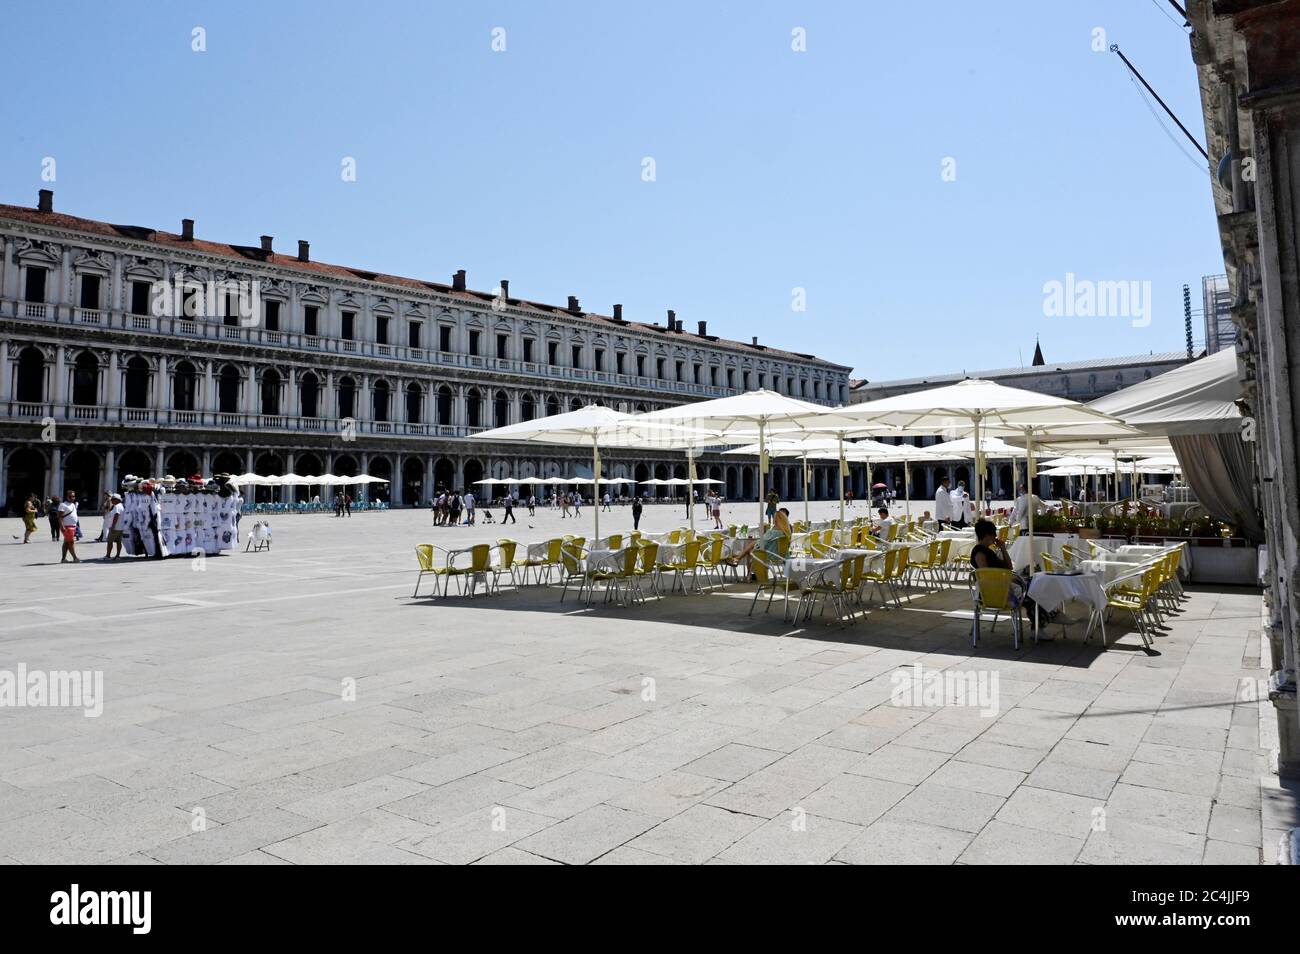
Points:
x=986, y=408
x=740, y=413
x=595, y=426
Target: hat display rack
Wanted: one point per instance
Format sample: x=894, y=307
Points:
x=167, y=516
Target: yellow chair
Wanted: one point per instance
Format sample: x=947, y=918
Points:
x=711, y=558
x=573, y=559
x=767, y=570
x=615, y=578
x=1070, y=555
x=1002, y=534
x=505, y=563
x=424, y=556
x=648, y=567
x=1133, y=593
x=689, y=563
x=931, y=565
x=993, y=591
x=1050, y=565
x=480, y=565
x=839, y=589
x=614, y=541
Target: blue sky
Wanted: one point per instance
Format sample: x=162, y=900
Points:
x=774, y=169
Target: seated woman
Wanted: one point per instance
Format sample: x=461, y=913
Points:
x=770, y=541
x=990, y=554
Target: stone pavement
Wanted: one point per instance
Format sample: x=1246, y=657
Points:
x=298, y=706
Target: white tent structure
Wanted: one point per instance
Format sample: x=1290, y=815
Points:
x=1198, y=398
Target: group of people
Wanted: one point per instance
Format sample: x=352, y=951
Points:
x=65, y=523
x=953, y=506
x=342, y=504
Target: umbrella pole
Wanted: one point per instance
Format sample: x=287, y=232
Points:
x=907, y=487
x=803, y=479
x=762, y=459
x=595, y=476
x=839, y=478
x=1029, y=491
x=979, y=471
x=690, y=491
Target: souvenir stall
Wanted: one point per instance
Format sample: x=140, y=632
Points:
x=170, y=517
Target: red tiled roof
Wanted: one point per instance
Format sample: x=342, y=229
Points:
x=220, y=249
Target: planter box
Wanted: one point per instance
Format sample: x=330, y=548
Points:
x=1238, y=566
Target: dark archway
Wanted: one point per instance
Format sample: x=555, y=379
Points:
x=347, y=398
x=444, y=405
x=414, y=403
x=380, y=467
x=747, y=489
x=227, y=462
x=134, y=462
x=413, y=482
x=500, y=409
x=27, y=469
x=444, y=475
x=81, y=472
x=381, y=400
x=181, y=464
x=473, y=474
x=474, y=408
x=345, y=466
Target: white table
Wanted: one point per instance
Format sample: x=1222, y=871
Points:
x=1051, y=591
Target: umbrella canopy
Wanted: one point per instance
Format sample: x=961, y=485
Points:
x=965, y=447
x=743, y=413
x=596, y=426
x=327, y=479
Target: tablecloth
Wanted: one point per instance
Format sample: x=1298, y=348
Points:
x=1052, y=591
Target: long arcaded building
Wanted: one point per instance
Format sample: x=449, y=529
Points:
x=128, y=349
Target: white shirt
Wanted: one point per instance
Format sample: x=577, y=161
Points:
x=469, y=501
x=116, y=517
x=942, y=504
x=68, y=514
x=885, y=524
x=957, y=504
x=1020, y=509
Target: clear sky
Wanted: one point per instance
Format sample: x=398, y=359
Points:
x=774, y=170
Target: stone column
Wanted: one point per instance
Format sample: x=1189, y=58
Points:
x=159, y=463
x=110, y=470
x=60, y=395
x=114, y=386
x=56, y=472
x=6, y=373
x=210, y=396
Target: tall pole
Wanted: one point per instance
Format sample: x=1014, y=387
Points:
x=839, y=479
x=762, y=463
x=595, y=476
x=803, y=479
x=690, y=490
x=979, y=471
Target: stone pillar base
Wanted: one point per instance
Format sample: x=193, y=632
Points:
x=1282, y=693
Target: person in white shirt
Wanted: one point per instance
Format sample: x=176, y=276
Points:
x=469, y=508
x=957, y=502
x=68, y=523
x=1020, y=509
x=883, y=527
x=943, y=504
x=114, y=519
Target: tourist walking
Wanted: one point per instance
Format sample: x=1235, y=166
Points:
x=469, y=508
x=347, y=505
x=30, y=512
x=564, y=506
x=104, y=504
x=510, y=509
x=715, y=508
x=636, y=513
x=52, y=515
x=532, y=505
x=605, y=503
x=114, y=517
x=773, y=501
x=577, y=503
x=67, y=515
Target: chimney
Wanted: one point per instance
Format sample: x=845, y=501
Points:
x=458, y=281
x=304, y=251
x=505, y=288
x=672, y=320
x=755, y=341
x=45, y=200
x=704, y=329
x=266, y=243
x=573, y=304
x=618, y=312
x=187, y=230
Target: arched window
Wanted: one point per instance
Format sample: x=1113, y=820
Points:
x=575, y=405
x=474, y=408
x=228, y=390
x=85, y=380
x=137, y=382
x=380, y=400
x=309, y=394
x=414, y=398
x=444, y=405
x=528, y=408
x=185, y=384
x=271, y=392
x=501, y=409
x=552, y=406
x=31, y=376
x=347, y=398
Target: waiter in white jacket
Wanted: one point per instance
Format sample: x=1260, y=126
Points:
x=943, y=504
x=1020, y=509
